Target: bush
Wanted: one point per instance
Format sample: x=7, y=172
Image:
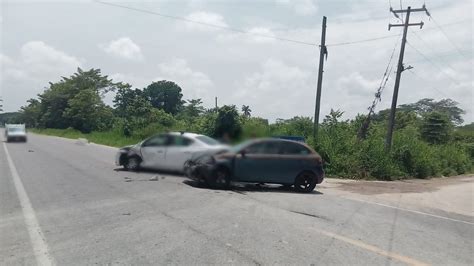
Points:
x=413, y=156
x=254, y=127
x=376, y=162
x=453, y=159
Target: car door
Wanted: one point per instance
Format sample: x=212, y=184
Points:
x=179, y=150
x=294, y=158
x=257, y=163
x=153, y=151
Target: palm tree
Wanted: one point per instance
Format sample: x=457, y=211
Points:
x=246, y=110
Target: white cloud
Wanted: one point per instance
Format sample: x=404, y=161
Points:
x=37, y=64
x=301, y=7
x=195, y=84
x=39, y=61
x=357, y=85
x=277, y=91
x=123, y=48
x=205, y=18
x=260, y=35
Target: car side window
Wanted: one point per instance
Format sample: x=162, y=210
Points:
x=290, y=148
x=156, y=141
x=180, y=141
x=267, y=147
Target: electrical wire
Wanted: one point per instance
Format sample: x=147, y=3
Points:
x=446, y=35
x=206, y=24
x=364, y=40
x=401, y=7
x=436, y=89
x=362, y=133
x=427, y=45
x=433, y=63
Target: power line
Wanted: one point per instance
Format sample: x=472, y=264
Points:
x=206, y=24
x=445, y=35
x=364, y=40
x=436, y=89
x=378, y=95
x=424, y=42
x=433, y=63
x=401, y=14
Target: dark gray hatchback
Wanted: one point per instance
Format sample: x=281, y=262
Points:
x=274, y=161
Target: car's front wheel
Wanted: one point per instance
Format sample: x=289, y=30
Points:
x=219, y=179
x=305, y=182
x=132, y=163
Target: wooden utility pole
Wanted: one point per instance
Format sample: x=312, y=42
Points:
x=216, y=104
x=322, y=52
x=400, y=67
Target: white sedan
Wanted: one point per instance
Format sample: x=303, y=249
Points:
x=167, y=151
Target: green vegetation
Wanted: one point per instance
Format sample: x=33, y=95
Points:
x=428, y=140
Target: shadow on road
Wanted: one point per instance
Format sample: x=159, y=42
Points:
x=249, y=188
x=150, y=171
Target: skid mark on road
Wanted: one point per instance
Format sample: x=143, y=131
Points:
x=37, y=239
x=371, y=248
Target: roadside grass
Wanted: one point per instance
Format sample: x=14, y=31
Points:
x=109, y=138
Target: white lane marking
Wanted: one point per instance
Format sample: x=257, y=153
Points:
x=37, y=239
x=413, y=211
x=374, y=249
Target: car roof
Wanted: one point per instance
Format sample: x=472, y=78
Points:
x=282, y=141
x=185, y=134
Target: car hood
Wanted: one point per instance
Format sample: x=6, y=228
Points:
x=129, y=147
x=197, y=156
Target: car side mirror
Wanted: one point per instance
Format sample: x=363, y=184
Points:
x=243, y=152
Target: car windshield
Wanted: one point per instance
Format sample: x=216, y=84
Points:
x=16, y=130
x=208, y=140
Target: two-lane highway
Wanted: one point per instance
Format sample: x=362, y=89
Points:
x=64, y=202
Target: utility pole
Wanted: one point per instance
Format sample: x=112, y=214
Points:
x=216, y=104
x=322, y=52
x=400, y=67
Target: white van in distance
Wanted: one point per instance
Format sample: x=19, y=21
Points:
x=15, y=132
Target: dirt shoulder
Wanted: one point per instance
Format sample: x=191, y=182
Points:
x=447, y=194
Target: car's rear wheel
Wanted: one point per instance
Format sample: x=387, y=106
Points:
x=132, y=163
x=305, y=182
x=219, y=179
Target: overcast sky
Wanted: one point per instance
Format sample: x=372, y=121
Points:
x=44, y=40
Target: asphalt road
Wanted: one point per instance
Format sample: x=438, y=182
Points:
x=65, y=203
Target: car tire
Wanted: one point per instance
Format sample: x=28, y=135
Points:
x=219, y=179
x=187, y=168
x=132, y=163
x=305, y=182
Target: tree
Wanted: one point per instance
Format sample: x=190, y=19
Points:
x=165, y=95
x=193, y=109
x=246, y=111
x=56, y=99
x=227, y=122
x=436, y=128
x=130, y=102
x=445, y=106
x=31, y=113
x=86, y=112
